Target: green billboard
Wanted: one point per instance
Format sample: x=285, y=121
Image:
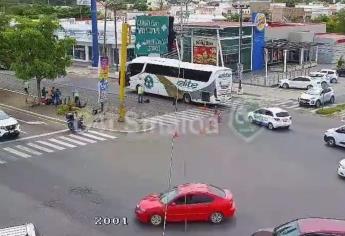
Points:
x=151, y=35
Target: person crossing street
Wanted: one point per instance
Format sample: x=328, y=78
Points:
x=140, y=94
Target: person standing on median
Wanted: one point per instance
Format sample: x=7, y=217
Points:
x=140, y=94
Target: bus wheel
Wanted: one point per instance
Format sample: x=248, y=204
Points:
x=187, y=98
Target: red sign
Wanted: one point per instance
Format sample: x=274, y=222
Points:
x=204, y=51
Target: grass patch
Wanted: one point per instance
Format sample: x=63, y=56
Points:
x=64, y=109
x=331, y=110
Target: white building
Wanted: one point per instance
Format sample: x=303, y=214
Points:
x=81, y=31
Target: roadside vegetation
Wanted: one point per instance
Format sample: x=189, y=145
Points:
x=329, y=111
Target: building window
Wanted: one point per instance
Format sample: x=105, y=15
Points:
x=79, y=52
x=90, y=53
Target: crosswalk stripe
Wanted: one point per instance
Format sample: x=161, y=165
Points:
x=292, y=106
x=281, y=103
x=62, y=143
x=160, y=121
x=93, y=136
x=82, y=138
x=72, y=140
x=170, y=118
x=16, y=152
x=197, y=114
x=29, y=150
x=40, y=147
x=2, y=162
x=51, y=145
x=201, y=111
x=102, y=134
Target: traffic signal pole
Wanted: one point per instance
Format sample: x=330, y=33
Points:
x=124, y=42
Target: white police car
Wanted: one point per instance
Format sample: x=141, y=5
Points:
x=335, y=137
x=271, y=117
x=8, y=125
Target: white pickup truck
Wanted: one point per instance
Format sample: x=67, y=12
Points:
x=21, y=230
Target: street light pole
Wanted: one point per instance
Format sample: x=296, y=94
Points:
x=240, y=6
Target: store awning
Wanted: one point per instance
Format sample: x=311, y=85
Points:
x=284, y=44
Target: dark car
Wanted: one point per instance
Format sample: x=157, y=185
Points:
x=341, y=72
x=307, y=227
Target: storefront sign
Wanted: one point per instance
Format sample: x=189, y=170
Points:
x=204, y=51
x=104, y=68
x=151, y=35
x=260, y=21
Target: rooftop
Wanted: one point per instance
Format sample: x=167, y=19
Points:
x=216, y=24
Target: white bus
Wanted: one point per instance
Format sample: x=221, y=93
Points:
x=172, y=78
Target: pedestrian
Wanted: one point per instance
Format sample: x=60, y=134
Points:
x=26, y=87
x=76, y=97
x=57, y=97
x=44, y=93
x=140, y=94
x=49, y=96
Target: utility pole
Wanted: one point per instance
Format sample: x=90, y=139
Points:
x=116, y=48
x=240, y=6
x=95, y=50
x=105, y=30
x=124, y=42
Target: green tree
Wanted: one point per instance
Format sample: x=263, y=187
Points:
x=340, y=26
x=38, y=53
x=6, y=54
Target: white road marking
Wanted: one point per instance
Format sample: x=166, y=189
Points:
x=292, y=106
x=82, y=138
x=72, y=140
x=157, y=120
x=40, y=147
x=29, y=150
x=18, y=153
x=2, y=162
x=32, y=122
x=62, y=143
x=35, y=136
x=102, y=134
x=51, y=145
x=93, y=137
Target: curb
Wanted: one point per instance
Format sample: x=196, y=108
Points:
x=63, y=121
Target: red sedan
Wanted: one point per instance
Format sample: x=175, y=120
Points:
x=187, y=202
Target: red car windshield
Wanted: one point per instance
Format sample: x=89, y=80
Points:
x=167, y=197
x=217, y=191
x=289, y=229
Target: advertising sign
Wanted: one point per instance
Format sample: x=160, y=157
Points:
x=151, y=35
x=260, y=21
x=204, y=51
x=104, y=68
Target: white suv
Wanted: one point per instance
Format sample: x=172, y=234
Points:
x=331, y=74
x=316, y=97
x=303, y=82
x=320, y=76
x=8, y=125
x=272, y=117
x=341, y=168
x=335, y=137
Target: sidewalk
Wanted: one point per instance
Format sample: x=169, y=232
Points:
x=107, y=122
x=87, y=70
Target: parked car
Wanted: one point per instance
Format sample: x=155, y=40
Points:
x=9, y=126
x=302, y=82
x=187, y=202
x=341, y=72
x=331, y=74
x=316, y=97
x=335, y=137
x=320, y=76
x=341, y=168
x=271, y=117
x=306, y=227
x=21, y=230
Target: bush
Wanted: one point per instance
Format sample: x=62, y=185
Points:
x=64, y=109
x=331, y=110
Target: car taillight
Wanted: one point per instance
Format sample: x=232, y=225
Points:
x=277, y=119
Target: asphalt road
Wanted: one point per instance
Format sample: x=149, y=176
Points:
x=276, y=176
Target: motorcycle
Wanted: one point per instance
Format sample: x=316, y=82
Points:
x=75, y=124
